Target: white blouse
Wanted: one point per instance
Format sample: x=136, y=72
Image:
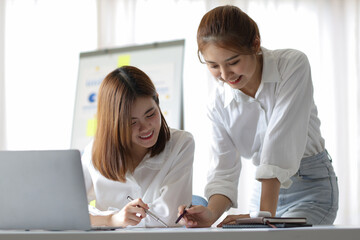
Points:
x=276, y=129
x=164, y=182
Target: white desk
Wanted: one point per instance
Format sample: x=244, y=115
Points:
x=313, y=233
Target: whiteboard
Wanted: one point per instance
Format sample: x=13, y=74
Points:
x=162, y=62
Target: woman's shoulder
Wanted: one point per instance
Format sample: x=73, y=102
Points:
x=180, y=146
x=287, y=62
x=180, y=139
x=178, y=135
x=290, y=56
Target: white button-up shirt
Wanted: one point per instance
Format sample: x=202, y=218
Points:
x=164, y=182
x=276, y=129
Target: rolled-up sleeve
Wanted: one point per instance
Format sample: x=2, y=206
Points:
x=225, y=166
x=285, y=139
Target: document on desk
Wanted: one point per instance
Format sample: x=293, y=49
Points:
x=268, y=222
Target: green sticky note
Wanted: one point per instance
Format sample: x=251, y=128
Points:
x=91, y=127
x=93, y=203
x=123, y=60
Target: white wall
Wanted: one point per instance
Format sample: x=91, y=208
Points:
x=2, y=85
x=43, y=41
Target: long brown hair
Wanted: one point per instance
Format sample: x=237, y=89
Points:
x=228, y=27
x=111, y=154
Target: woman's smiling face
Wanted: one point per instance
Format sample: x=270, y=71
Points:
x=145, y=123
x=238, y=71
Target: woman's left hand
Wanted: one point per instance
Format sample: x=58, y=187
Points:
x=230, y=219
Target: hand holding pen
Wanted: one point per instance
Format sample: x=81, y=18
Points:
x=152, y=215
x=129, y=215
x=183, y=214
x=197, y=216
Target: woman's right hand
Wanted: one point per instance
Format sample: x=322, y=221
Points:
x=197, y=216
x=131, y=214
x=201, y=216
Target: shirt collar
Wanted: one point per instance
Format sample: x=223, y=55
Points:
x=270, y=73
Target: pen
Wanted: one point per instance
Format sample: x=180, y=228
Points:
x=150, y=213
x=182, y=215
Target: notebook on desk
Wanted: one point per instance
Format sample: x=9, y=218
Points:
x=43, y=190
x=268, y=222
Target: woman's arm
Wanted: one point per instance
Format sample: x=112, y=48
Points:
x=270, y=189
x=288, y=131
x=218, y=204
x=223, y=173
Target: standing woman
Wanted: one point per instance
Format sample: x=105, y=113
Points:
x=136, y=154
x=263, y=108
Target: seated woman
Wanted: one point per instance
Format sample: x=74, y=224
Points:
x=135, y=153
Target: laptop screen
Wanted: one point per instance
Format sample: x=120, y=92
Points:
x=42, y=190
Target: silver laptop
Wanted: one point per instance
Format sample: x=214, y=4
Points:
x=43, y=190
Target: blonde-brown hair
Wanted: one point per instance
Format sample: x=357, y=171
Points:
x=111, y=154
x=228, y=27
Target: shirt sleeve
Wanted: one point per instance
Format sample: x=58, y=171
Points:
x=225, y=166
x=176, y=188
x=86, y=161
x=285, y=139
